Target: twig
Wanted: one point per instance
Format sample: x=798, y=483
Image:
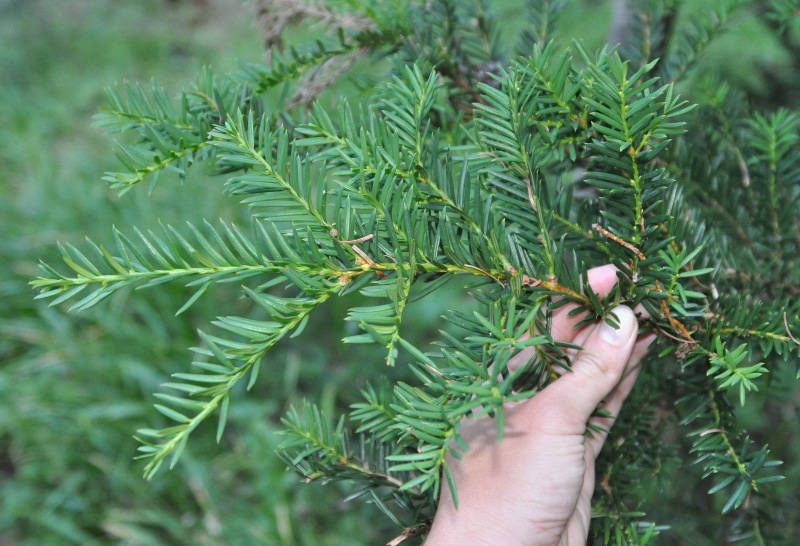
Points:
x=675, y=323
x=789, y=333
x=485, y=273
x=619, y=241
x=359, y=240
x=676, y=338
x=366, y=260
x=530, y=193
x=213, y=104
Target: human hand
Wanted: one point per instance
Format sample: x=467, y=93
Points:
x=535, y=487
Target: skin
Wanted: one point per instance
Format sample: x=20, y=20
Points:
x=535, y=487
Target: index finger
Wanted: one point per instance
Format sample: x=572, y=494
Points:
x=602, y=279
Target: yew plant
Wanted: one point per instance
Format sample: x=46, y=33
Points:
x=509, y=170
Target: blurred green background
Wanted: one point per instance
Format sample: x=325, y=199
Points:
x=74, y=388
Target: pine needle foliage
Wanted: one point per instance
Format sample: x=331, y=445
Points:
x=515, y=169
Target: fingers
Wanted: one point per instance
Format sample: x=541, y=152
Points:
x=602, y=280
x=596, y=372
x=613, y=402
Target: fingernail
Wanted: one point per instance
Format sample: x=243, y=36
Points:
x=626, y=321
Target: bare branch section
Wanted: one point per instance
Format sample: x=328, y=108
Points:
x=274, y=17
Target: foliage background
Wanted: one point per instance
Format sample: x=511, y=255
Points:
x=73, y=388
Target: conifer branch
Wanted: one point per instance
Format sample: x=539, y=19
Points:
x=236, y=361
x=329, y=446
x=516, y=176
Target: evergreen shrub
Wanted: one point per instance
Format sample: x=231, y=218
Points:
x=509, y=170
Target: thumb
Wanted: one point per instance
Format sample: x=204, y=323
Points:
x=596, y=369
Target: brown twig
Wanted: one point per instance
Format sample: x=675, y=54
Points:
x=788, y=332
x=409, y=533
x=359, y=240
x=485, y=273
x=364, y=257
x=676, y=338
x=213, y=104
x=619, y=241
x=675, y=323
x=530, y=193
